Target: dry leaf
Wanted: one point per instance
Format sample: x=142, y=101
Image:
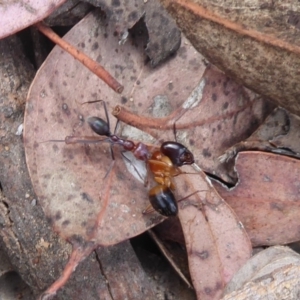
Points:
x=216, y=242
x=226, y=113
x=278, y=134
x=266, y=198
x=253, y=42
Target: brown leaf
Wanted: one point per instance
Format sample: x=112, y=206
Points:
x=278, y=134
x=255, y=43
x=227, y=113
x=266, y=198
x=15, y=15
x=287, y=133
x=36, y=252
x=216, y=243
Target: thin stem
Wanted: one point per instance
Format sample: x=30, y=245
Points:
x=77, y=255
x=92, y=65
x=204, y=13
x=143, y=123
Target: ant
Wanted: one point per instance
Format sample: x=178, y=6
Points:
x=164, y=163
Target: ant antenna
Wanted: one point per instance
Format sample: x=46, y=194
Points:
x=175, y=131
x=174, y=124
x=174, y=127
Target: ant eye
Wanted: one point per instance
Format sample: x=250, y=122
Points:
x=178, y=153
x=99, y=126
x=187, y=158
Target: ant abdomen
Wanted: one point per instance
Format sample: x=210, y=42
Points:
x=163, y=200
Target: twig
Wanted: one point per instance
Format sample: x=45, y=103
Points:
x=92, y=65
x=166, y=123
x=128, y=117
x=77, y=255
x=204, y=13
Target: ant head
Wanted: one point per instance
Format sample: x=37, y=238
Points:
x=178, y=153
x=186, y=158
x=99, y=126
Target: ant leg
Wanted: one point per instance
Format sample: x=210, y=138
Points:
x=174, y=125
x=198, y=205
x=174, y=128
x=106, y=114
x=112, y=163
x=116, y=127
x=148, y=210
x=79, y=140
x=92, y=101
x=110, y=168
x=82, y=140
x=184, y=198
x=112, y=152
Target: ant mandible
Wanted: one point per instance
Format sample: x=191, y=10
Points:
x=164, y=164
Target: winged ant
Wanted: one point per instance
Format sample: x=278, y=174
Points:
x=164, y=163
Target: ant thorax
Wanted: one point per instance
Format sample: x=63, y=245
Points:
x=141, y=152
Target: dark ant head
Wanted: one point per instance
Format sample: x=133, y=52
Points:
x=99, y=126
x=178, y=153
x=186, y=158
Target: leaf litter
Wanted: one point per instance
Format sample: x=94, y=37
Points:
x=254, y=42
x=90, y=210
x=266, y=198
x=216, y=243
